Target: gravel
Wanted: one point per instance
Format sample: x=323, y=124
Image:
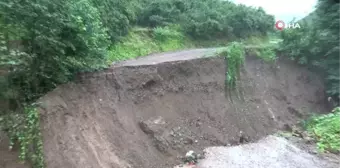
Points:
x=272, y=151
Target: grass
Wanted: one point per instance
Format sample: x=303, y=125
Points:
x=222, y=42
x=270, y=41
x=263, y=47
x=326, y=130
x=142, y=42
x=266, y=53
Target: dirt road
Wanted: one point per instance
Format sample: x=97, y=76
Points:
x=168, y=57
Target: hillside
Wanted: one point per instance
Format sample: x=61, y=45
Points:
x=115, y=83
x=146, y=112
x=309, y=19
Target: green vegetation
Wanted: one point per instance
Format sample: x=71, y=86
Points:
x=234, y=55
x=316, y=45
x=326, y=130
x=24, y=129
x=264, y=48
x=207, y=19
x=144, y=41
x=266, y=53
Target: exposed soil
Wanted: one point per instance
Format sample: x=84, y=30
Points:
x=146, y=113
x=9, y=158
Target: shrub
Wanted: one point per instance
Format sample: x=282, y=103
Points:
x=326, y=130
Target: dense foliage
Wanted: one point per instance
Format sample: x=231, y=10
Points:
x=316, y=44
x=208, y=18
x=326, y=130
x=54, y=39
x=117, y=16
x=57, y=39
x=144, y=41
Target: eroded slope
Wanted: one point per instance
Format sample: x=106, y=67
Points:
x=145, y=114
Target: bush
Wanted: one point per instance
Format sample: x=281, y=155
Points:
x=133, y=45
x=59, y=39
x=161, y=12
x=117, y=16
x=317, y=45
x=163, y=34
x=142, y=42
x=234, y=55
x=326, y=130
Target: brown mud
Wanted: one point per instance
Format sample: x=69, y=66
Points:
x=9, y=158
x=145, y=113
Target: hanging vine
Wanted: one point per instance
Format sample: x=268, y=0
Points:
x=234, y=56
x=24, y=130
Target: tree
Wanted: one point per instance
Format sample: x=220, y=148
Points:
x=58, y=39
x=207, y=18
x=117, y=16
x=328, y=30
x=317, y=43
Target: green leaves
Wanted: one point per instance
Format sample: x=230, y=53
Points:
x=163, y=34
x=24, y=129
x=141, y=42
x=234, y=54
x=322, y=40
x=116, y=16
x=55, y=39
x=207, y=19
x=326, y=130
x=317, y=43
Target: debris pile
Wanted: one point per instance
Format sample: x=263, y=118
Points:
x=190, y=160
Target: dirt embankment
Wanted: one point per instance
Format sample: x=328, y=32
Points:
x=145, y=113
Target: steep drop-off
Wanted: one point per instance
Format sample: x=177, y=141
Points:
x=145, y=113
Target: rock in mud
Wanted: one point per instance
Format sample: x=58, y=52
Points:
x=166, y=139
x=294, y=111
x=161, y=144
x=153, y=126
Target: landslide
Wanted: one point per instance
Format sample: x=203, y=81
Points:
x=145, y=113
